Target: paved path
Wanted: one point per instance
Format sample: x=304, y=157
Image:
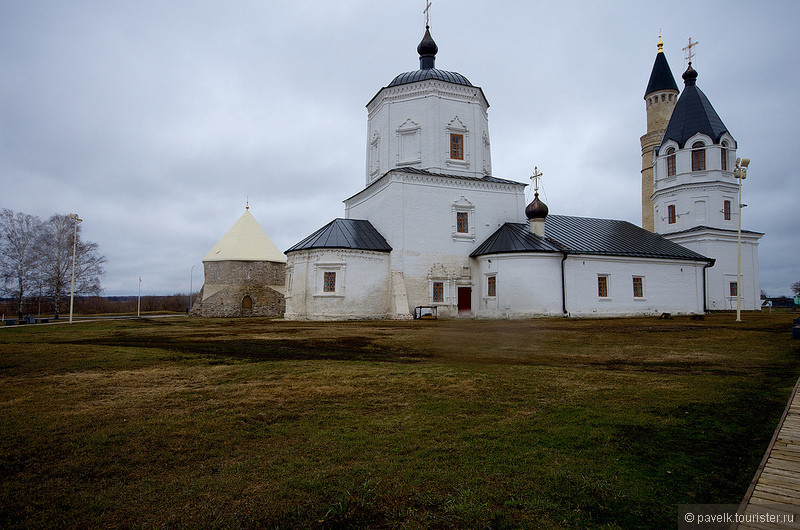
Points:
x=776, y=485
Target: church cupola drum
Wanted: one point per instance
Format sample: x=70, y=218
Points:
x=428, y=119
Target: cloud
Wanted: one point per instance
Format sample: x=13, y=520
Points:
x=156, y=121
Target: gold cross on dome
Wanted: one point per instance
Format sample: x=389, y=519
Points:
x=535, y=178
x=688, y=50
x=427, y=12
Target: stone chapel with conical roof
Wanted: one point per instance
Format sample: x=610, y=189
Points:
x=244, y=274
x=434, y=227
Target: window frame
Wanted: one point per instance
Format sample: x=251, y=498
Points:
x=638, y=281
x=670, y=155
x=733, y=289
x=329, y=282
x=456, y=146
x=698, y=156
x=462, y=222
x=726, y=210
x=603, y=287
x=491, y=286
x=723, y=156
x=437, y=288
x=672, y=217
x=462, y=208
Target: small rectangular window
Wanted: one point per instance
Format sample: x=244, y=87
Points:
x=671, y=165
x=462, y=222
x=724, y=158
x=329, y=282
x=638, y=287
x=457, y=146
x=734, y=289
x=491, y=287
x=602, y=286
x=726, y=210
x=671, y=214
x=438, y=291
x=698, y=157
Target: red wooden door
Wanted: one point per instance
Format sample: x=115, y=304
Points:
x=464, y=299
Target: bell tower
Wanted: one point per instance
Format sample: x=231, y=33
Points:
x=660, y=98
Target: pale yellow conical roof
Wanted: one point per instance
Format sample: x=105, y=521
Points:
x=245, y=241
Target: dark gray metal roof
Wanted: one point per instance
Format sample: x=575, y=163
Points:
x=693, y=114
x=515, y=237
x=424, y=74
x=586, y=235
x=356, y=234
x=661, y=77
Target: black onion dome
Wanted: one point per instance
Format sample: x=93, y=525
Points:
x=690, y=75
x=427, y=47
x=536, y=209
x=427, y=50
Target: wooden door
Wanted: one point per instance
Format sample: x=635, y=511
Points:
x=464, y=299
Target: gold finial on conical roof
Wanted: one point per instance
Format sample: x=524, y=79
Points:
x=660, y=43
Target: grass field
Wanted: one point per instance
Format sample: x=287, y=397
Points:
x=255, y=423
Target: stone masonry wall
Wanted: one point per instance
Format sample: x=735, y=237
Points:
x=228, y=283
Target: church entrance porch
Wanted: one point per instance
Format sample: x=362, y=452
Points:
x=464, y=300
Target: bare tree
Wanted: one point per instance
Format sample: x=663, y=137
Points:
x=18, y=256
x=796, y=288
x=55, y=248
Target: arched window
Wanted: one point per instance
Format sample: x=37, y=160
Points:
x=723, y=153
x=698, y=156
x=247, y=302
x=671, y=162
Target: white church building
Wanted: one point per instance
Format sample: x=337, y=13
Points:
x=433, y=227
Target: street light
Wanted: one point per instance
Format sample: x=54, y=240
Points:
x=77, y=220
x=740, y=173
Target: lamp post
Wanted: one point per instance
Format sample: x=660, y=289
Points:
x=740, y=173
x=139, y=303
x=77, y=220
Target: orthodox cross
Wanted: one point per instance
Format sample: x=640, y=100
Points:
x=688, y=50
x=535, y=178
x=427, y=12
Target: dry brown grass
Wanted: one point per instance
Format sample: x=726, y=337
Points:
x=253, y=423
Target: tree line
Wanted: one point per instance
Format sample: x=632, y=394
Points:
x=97, y=305
x=36, y=259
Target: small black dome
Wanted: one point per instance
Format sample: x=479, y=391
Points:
x=427, y=50
x=536, y=209
x=427, y=46
x=690, y=75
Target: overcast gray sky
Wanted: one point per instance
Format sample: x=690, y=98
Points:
x=155, y=120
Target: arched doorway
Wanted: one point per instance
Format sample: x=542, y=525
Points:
x=247, y=302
